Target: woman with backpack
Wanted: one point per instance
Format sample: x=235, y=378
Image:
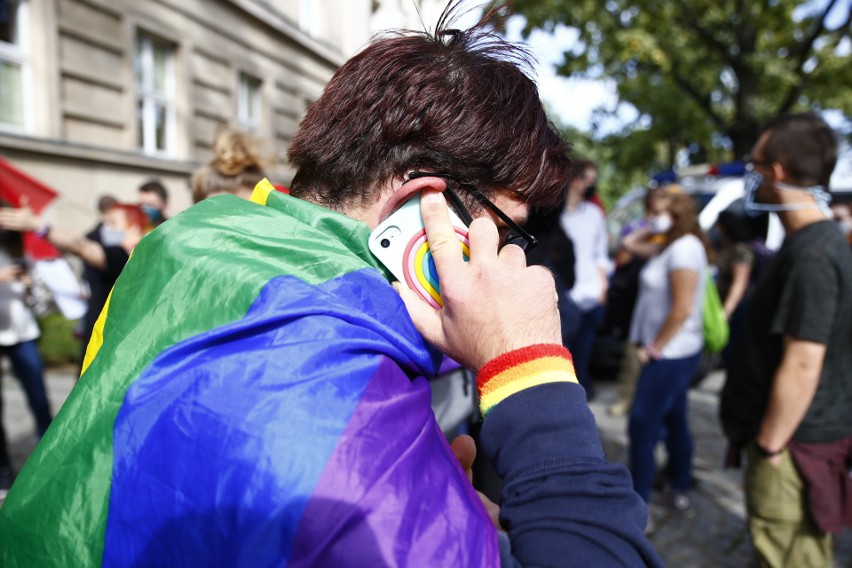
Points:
x=740, y=263
x=667, y=330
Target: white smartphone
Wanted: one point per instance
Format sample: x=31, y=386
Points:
x=399, y=242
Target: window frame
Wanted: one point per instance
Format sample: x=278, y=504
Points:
x=149, y=97
x=18, y=54
x=249, y=94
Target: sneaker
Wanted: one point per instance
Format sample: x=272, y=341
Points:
x=681, y=502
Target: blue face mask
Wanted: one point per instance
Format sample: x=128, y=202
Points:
x=752, y=182
x=154, y=215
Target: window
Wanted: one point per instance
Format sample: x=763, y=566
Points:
x=248, y=102
x=14, y=68
x=309, y=17
x=155, y=88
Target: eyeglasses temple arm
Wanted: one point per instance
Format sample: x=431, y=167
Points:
x=508, y=220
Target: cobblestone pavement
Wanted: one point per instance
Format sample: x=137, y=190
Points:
x=714, y=536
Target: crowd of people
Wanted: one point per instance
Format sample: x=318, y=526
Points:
x=253, y=387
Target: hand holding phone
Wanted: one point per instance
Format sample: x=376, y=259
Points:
x=493, y=304
x=400, y=244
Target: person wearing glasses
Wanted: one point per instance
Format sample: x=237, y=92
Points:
x=787, y=400
x=277, y=408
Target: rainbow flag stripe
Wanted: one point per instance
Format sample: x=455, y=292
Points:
x=522, y=369
x=254, y=395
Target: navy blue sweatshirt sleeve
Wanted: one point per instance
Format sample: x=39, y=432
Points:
x=563, y=503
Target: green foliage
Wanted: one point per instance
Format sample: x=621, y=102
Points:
x=57, y=344
x=613, y=180
x=702, y=73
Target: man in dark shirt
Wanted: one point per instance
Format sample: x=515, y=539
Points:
x=787, y=399
x=153, y=199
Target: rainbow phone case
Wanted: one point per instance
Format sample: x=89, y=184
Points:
x=399, y=242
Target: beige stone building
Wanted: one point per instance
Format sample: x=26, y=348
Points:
x=98, y=96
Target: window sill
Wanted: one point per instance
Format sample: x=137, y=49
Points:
x=12, y=142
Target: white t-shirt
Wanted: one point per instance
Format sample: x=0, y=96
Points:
x=586, y=226
x=655, y=298
x=17, y=323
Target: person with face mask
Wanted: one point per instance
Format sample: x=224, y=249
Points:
x=104, y=251
x=786, y=400
x=154, y=200
x=639, y=240
x=666, y=329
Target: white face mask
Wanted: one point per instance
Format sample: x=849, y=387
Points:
x=752, y=182
x=660, y=223
x=112, y=237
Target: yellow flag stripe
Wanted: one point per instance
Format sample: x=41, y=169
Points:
x=261, y=192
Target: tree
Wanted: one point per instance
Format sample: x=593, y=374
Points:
x=705, y=74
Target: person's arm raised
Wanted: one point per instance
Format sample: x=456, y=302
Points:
x=24, y=220
x=561, y=497
x=493, y=304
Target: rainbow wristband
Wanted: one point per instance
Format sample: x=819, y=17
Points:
x=521, y=369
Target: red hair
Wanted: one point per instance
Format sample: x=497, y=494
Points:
x=134, y=215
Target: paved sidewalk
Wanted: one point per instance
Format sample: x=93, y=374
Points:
x=715, y=534
x=18, y=421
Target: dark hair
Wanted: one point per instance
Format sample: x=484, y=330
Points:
x=105, y=202
x=684, y=216
x=451, y=101
x=805, y=145
x=154, y=186
x=11, y=241
x=742, y=228
x=580, y=165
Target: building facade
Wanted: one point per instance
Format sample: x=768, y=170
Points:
x=98, y=96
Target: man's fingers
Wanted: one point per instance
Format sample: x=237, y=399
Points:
x=443, y=242
x=465, y=450
x=514, y=254
x=484, y=240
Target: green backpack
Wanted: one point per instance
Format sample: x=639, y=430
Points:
x=714, y=322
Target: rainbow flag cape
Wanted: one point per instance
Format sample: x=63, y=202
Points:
x=253, y=395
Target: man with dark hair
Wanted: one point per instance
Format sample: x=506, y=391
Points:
x=788, y=400
x=256, y=391
x=154, y=199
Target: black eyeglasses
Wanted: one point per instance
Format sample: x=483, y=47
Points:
x=517, y=235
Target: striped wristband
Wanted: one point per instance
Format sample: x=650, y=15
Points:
x=521, y=369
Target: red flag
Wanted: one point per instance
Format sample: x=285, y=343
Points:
x=15, y=185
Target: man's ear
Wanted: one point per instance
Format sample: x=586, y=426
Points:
x=779, y=173
x=404, y=192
